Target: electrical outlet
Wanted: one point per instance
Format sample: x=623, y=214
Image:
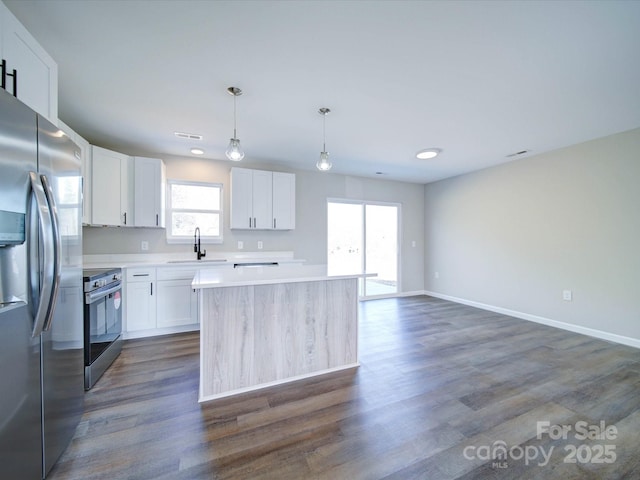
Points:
x=567, y=295
x=144, y=245
x=240, y=244
x=259, y=244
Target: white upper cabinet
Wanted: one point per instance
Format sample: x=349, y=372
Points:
x=36, y=72
x=149, y=192
x=251, y=199
x=111, y=188
x=85, y=153
x=241, y=198
x=284, y=201
x=262, y=200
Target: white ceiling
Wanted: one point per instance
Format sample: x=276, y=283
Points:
x=478, y=79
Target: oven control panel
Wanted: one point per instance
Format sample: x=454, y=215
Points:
x=99, y=278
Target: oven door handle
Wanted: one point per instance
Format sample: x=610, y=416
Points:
x=92, y=297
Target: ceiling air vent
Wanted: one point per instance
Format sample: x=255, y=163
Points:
x=188, y=136
x=517, y=154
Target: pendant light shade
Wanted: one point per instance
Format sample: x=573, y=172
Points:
x=324, y=164
x=234, y=150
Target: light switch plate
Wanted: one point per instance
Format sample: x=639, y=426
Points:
x=567, y=295
x=240, y=244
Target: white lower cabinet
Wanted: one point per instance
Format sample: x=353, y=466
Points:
x=177, y=302
x=140, y=299
x=160, y=300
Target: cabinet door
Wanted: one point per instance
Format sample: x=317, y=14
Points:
x=262, y=200
x=111, y=191
x=141, y=306
x=177, y=303
x=37, y=73
x=127, y=197
x=148, y=192
x=241, y=197
x=284, y=201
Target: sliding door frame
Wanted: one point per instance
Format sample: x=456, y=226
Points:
x=364, y=203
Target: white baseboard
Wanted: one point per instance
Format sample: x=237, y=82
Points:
x=393, y=295
x=153, y=332
x=612, y=337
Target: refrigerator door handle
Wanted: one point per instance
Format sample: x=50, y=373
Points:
x=44, y=220
x=55, y=238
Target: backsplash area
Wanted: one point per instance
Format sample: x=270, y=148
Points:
x=123, y=240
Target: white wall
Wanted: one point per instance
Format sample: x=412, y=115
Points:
x=307, y=241
x=515, y=236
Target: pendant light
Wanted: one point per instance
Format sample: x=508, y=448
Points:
x=323, y=163
x=234, y=150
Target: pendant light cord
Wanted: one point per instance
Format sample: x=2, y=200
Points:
x=324, y=132
x=234, y=117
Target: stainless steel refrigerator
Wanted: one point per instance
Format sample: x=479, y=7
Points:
x=41, y=326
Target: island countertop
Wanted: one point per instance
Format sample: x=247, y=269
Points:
x=268, y=275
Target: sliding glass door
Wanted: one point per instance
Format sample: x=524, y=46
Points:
x=363, y=236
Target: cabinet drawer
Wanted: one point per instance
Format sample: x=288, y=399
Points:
x=171, y=273
x=141, y=275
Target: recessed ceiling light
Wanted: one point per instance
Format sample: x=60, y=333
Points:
x=428, y=153
x=197, y=151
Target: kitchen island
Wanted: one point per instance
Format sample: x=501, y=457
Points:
x=262, y=326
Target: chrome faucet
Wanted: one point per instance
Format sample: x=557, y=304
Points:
x=196, y=244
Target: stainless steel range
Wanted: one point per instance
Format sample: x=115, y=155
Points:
x=102, y=321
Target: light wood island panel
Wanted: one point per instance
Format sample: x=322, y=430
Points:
x=254, y=336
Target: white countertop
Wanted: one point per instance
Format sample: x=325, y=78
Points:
x=212, y=259
x=243, y=276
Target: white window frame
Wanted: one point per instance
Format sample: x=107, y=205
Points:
x=189, y=239
x=75, y=209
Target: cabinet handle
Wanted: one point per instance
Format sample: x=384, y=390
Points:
x=3, y=81
x=125, y=218
x=156, y=219
x=274, y=223
x=151, y=284
x=140, y=274
x=249, y=222
x=15, y=82
x=254, y=222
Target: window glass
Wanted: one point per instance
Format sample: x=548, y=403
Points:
x=191, y=205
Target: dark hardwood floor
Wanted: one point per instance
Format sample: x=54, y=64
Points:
x=440, y=389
